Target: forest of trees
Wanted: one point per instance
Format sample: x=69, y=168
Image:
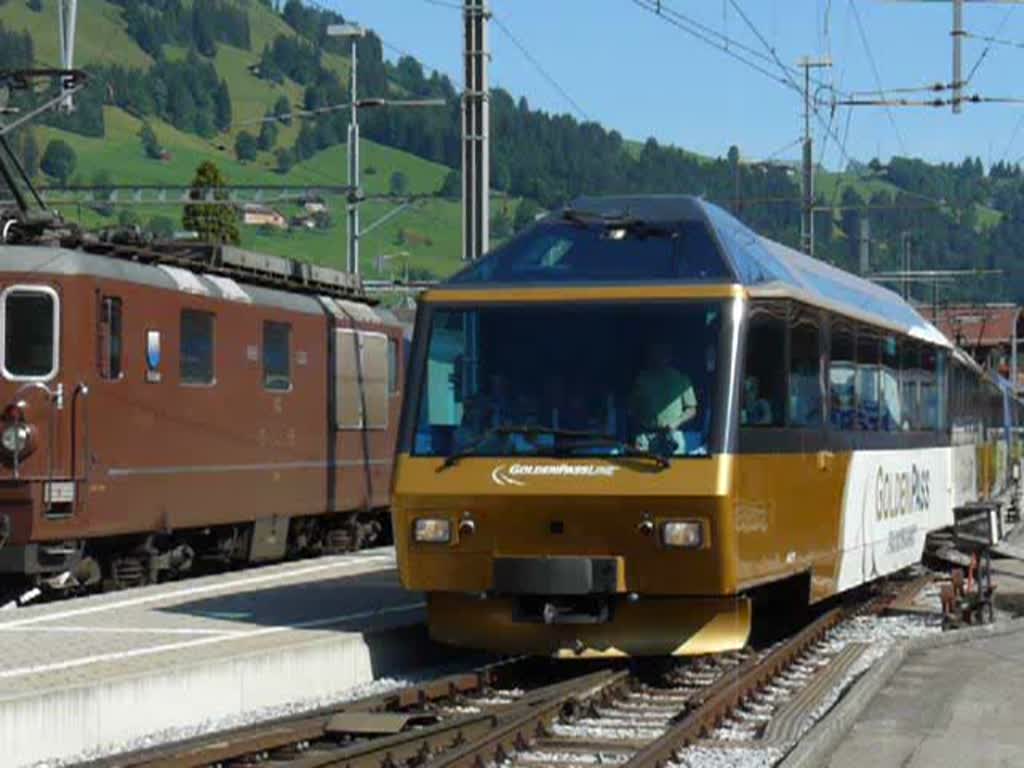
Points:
x=156, y=23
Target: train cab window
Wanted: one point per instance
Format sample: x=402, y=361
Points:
x=804, y=371
x=841, y=376
x=196, y=347
x=277, y=341
x=890, y=417
x=30, y=315
x=109, y=345
x=910, y=379
x=764, y=379
x=868, y=358
x=392, y=366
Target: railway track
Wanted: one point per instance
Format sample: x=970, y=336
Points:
x=529, y=713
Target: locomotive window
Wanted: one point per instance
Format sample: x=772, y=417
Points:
x=867, y=379
x=910, y=379
x=890, y=414
x=30, y=332
x=109, y=346
x=804, y=371
x=277, y=356
x=841, y=375
x=764, y=379
x=196, y=347
x=392, y=366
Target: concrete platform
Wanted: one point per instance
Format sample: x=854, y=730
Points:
x=93, y=674
x=952, y=700
x=954, y=706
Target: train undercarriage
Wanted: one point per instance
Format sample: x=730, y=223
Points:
x=55, y=569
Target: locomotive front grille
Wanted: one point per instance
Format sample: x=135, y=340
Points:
x=557, y=575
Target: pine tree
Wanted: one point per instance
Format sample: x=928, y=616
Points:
x=222, y=107
x=213, y=222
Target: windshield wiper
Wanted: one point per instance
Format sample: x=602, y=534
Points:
x=618, y=226
x=597, y=438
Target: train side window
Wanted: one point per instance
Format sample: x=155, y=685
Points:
x=890, y=416
x=392, y=366
x=867, y=379
x=109, y=346
x=942, y=390
x=764, y=380
x=805, y=370
x=277, y=342
x=196, y=347
x=929, y=393
x=841, y=376
x=910, y=379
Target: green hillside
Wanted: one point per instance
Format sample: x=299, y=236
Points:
x=204, y=82
x=433, y=241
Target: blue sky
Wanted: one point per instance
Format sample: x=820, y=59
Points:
x=633, y=72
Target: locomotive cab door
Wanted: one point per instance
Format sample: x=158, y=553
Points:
x=41, y=425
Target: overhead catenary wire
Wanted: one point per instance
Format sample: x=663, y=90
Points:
x=878, y=77
x=771, y=50
x=662, y=11
x=995, y=40
x=985, y=52
x=539, y=67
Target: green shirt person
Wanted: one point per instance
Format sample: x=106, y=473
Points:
x=662, y=400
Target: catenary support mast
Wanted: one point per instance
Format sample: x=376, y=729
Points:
x=475, y=133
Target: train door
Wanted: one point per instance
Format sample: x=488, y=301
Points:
x=41, y=420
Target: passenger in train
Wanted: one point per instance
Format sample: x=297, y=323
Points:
x=757, y=411
x=661, y=402
x=805, y=394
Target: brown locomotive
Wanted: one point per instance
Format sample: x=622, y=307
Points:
x=162, y=408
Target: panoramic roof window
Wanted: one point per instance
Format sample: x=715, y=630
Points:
x=582, y=248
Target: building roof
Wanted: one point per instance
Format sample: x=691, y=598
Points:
x=980, y=325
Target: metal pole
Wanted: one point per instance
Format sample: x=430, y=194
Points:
x=67, y=17
x=475, y=133
x=807, y=222
x=958, y=38
x=1013, y=352
x=807, y=185
x=352, y=261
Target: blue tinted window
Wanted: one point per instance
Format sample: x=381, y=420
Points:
x=594, y=380
x=561, y=251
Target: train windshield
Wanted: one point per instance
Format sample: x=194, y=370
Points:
x=569, y=380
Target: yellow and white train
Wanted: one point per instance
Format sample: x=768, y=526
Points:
x=637, y=414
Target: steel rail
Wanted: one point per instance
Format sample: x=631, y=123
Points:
x=714, y=704
x=262, y=737
x=516, y=733
x=377, y=751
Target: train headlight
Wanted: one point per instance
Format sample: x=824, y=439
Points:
x=687, y=534
x=432, y=530
x=14, y=438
